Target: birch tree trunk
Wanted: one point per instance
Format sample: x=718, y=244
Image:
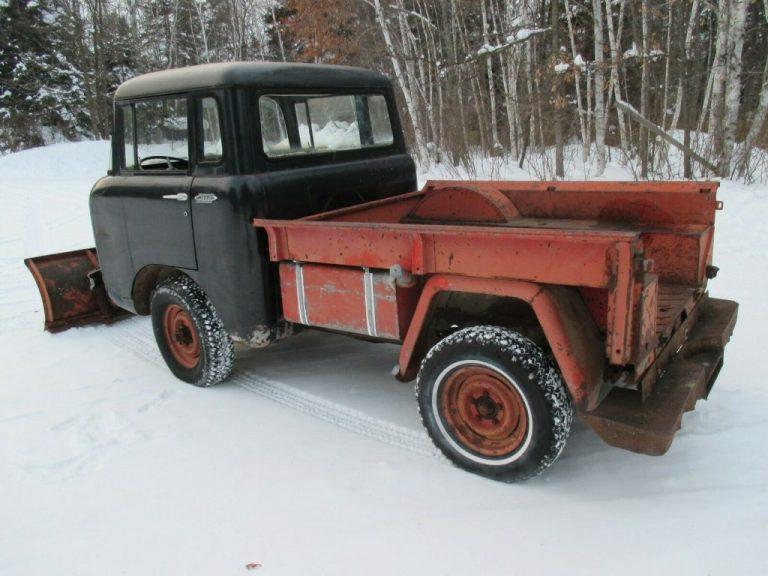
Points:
x=557, y=91
x=508, y=80
x=585, y=139
x=614, y=39
x=688, y=45
x=707, y=98
x=599, y=88
x=719, y=75
x=736, y=31
x=421, y=148
x=531, y=104
x=276, y=24
x=199, y=7
x=645, y=87
x=496, y=147
x=460, y=79
x=758, y=120
x=668, y=60
x=474, y=83
x=590, y=114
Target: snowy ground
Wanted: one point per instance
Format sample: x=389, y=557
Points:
x=311, y=460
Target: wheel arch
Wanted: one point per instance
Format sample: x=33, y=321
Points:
x=560, y=313
x=145, y=282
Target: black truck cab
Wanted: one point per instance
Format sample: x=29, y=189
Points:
x=198, y=152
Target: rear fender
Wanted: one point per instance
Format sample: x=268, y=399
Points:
x=568, y=327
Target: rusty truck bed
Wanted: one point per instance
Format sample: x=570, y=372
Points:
x=616, y=274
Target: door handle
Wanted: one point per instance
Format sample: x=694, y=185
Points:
x=181, y=196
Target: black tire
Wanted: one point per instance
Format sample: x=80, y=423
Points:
x=215, y=353
x=489, y=388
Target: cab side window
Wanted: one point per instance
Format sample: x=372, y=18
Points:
x=274, y=134
x=381, y=127
x=161, y=130
x=210, y=128
x=129, y=148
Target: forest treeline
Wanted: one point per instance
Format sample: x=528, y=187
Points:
x=514, y=79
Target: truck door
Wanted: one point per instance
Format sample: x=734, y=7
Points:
x=156, y=189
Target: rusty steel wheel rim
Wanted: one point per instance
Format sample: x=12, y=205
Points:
x=181, y=336
x=484, y=411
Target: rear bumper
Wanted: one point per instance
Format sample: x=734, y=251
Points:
x=624, y=420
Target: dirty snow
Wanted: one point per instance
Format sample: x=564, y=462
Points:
x=311, y=460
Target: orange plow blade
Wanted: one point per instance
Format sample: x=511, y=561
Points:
x=72, y=290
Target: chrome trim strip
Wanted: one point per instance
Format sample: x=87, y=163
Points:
x=370, y=302
x=300, y=296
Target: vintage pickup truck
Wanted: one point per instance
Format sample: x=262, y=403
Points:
x=246, y=200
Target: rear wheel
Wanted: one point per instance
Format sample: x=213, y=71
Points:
x=189, y=333
x=493, y=403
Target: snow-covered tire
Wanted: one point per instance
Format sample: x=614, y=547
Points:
x=493, y=403
x=189, y=333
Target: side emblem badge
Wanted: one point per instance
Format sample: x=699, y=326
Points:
x=205, y=198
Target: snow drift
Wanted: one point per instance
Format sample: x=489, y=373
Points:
x=311, y=460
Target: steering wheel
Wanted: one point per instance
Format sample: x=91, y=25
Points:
x=169, y=160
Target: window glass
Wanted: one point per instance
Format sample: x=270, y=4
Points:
x=381, y=127
x=162, y=134
x=302, y=120
x=323, y=123
x=129, y=158
x=334, y=123
x=212, y=147
x=273, y=131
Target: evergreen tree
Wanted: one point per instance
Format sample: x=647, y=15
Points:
x=40, y=94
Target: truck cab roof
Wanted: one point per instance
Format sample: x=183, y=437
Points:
x=282, y=75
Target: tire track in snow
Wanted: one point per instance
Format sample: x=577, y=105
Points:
x=128, y=338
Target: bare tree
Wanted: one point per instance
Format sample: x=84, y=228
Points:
x=688, y=56
x=719, y=77
x=578, y=64
x=761, y=113
x=557, y=96
x=737, y=24
x=600, y=113
x=421, y=148
x=645, y=86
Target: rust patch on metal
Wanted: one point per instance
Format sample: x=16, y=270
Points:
x=483, y=411
x=181, y=336
x=624, y=420
x=463, y=204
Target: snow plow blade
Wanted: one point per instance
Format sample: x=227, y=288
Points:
x=72, y=290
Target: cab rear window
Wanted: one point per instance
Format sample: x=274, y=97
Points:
x=296, y=125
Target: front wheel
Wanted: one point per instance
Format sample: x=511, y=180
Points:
x=493, y=403
x=189, y=333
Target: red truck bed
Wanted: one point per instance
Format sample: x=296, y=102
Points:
x=612, y=271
